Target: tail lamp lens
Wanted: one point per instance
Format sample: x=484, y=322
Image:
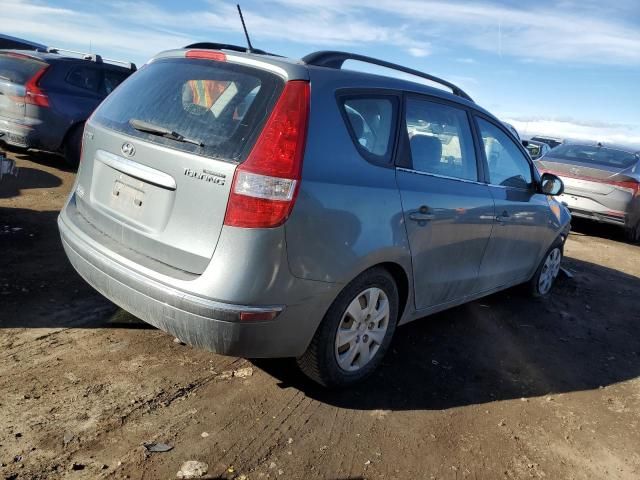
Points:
x=265, y=185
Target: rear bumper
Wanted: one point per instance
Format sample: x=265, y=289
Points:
x=19, y=132
x=32, y=133
x=585, y=207
x=201, y=322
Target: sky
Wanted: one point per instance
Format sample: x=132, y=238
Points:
x=566, y=68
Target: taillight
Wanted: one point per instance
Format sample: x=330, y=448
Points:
x=631, y=185
x=265, y=186
x=206, y=54
x=33, y=93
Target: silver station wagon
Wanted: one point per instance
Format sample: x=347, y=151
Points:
x=260, y=206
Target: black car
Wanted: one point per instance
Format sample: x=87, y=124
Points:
x=45, y=97
x=553, y=142
x=7, y=41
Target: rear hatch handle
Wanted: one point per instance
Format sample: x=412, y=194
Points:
x=136, y=170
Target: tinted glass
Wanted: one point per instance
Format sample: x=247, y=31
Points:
x=534, y=150
x=84, y=77
x=371, y=121
x=219, y=104
x=17, y=68
x=507, y=164
x=609, y=157
x=111, y=80
x=440, y=139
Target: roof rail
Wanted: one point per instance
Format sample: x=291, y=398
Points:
x=93, y=57
x=333, y=59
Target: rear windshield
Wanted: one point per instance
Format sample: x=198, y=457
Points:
x=549, y=141
x=608, y=157
x=18, y=68
x=218, y=104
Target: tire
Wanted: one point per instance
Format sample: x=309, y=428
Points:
x=333, y=365
x=542, y=282
x=632, y=234
x=73, y=146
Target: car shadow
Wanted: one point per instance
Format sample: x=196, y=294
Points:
x=584, y=336
x=27, y=178
x=40, y=157
x=590, y=228
x=38, y=286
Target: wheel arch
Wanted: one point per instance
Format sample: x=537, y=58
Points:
x=68, y=133
x=401, y=278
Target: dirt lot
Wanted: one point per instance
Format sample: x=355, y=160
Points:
x=505, y=387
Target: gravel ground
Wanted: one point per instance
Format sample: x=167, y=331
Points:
x=504, y=387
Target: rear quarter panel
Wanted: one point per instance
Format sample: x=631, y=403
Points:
x=348, y=215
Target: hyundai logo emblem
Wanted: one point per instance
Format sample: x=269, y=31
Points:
x=128, y=149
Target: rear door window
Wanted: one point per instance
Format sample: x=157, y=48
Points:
x=440, y=140
x=220, y=104
x=17, y=68
x=84, y=77
x=111, y=80
x=371, y=121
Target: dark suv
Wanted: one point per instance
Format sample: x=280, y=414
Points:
x=45, y=97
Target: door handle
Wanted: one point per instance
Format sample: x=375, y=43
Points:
x=422, y=215
x=504, y=217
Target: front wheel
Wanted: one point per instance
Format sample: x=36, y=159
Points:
x=355, y=333
x=547, y=272
x=632, y=233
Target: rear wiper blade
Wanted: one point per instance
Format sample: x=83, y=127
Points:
x=162, y=131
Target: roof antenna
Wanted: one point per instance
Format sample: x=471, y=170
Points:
x=244, y=27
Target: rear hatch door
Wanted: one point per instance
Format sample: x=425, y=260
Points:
x=600, y=173
x=15, y=71
x=165, y=195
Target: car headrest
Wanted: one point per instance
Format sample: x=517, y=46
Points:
x=426, y=152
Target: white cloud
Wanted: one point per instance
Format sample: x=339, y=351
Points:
x=419, y=52
x=577, y=129
x=564, y=32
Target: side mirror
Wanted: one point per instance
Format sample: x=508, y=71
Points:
x=551, y=184
x=525, y=143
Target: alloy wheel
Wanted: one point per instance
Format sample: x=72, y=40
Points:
x=550, y=270
x=362, y=329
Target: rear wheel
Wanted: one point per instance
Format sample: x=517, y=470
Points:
x=355, y=333
x=73, y=145
x=546, y=274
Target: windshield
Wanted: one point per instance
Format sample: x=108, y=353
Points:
x=217, y=104
x=608, y=157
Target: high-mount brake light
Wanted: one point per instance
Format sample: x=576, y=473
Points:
x=33, y=93
x=265, y=185
x=207, y=55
